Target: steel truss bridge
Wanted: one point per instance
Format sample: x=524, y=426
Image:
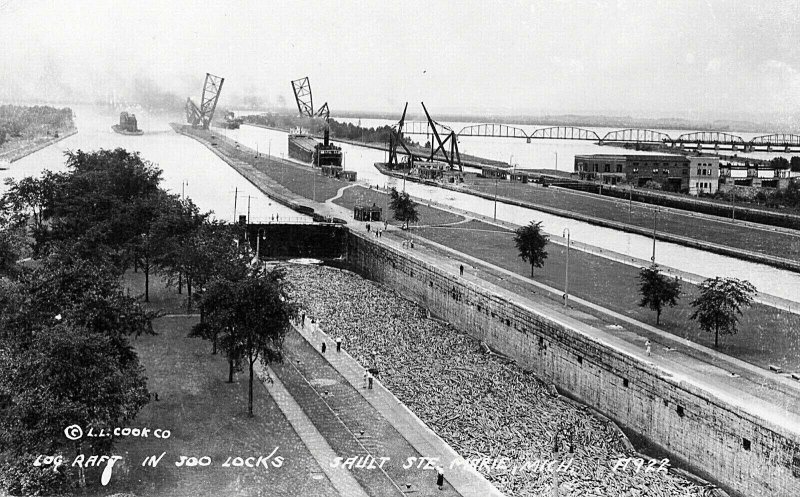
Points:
x=700, y=140
x=200, y=117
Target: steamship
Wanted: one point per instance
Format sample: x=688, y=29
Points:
x=306, y=148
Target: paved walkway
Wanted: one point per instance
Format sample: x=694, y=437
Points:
x=325, y=398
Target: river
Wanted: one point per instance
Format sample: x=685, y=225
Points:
x=549, y=154
x=189, y=168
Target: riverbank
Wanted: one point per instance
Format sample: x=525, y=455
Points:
x=23, y=150
x=247, y=163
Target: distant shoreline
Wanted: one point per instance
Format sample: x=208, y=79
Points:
x=615, y=122
x=26, y=150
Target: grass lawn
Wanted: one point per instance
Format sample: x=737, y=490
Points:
x=301, y=180
x=207, y=417
x=720, y=232
x=766, y=335
x=358, y=195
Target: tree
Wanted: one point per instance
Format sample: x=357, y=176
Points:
x=253, y=314
x=65, y=359
x=720, y=303
x=531, y=242
x=405, y=209
x=658, y=290
x=64, y=375
x=794, y=164
x=779, y=163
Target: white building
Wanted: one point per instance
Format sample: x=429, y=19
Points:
x=703, y=175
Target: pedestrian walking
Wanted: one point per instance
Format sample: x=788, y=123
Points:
x=338, y=344
x=647, y=346
x=369, y=380
x=385, y=224
x=367, y=227
x=303, y=319
x=324, y=347
x=461, y=269
x=411, y=243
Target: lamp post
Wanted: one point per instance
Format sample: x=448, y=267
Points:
x=655, y=220
x=495, y=195
x=184, y=183
x=259, y=236
x=566, y=270
x=235, y=199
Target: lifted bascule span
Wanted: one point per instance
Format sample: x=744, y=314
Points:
x=200, y=117
x=305, y=100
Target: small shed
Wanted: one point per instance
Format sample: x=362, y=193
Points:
x=493, y=172
x=365, y=213
x=331, y=171
x=348, y=175
x=520, y=177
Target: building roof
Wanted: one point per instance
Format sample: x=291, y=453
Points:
x=643, y=156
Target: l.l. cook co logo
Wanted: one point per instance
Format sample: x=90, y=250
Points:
x=75, y=432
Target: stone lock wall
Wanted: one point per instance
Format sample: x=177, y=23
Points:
x=741, y=453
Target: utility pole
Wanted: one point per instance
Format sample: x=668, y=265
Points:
x=495, y=196
x=630, y=203
x=566, y=271
x=655, y=218
x=235, y=198
x=314, y=171
x=248, y=209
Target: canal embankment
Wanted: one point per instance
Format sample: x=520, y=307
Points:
x=781, y=242
x=29, y=148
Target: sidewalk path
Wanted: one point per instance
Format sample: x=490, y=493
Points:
x=338, y=417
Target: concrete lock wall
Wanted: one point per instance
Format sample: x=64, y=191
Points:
x=697, y=430
x=319, y=241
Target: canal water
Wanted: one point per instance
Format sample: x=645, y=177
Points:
x=769, y=280
x=189, y=168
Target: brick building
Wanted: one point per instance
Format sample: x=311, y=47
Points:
x=670, y=171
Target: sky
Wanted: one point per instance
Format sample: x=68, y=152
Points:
x=676, y=58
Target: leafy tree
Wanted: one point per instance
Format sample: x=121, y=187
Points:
x=174, y=228
x=405, y=209
x=65, y=359
x=212, y=252
x=531, y=242
x=658, y=290
x=779, y=163
x=254, y=314
x=95, y=202
x=64, y=375
x=720, y=303
x=34, y=194
x=794, y=164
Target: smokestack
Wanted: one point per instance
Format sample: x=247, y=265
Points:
x=327, y=136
